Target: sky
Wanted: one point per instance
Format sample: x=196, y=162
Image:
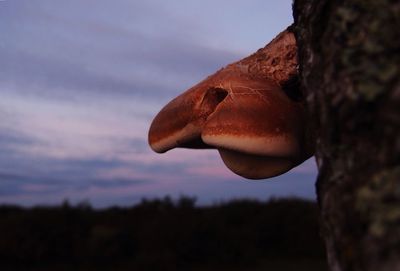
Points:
x=81, y=80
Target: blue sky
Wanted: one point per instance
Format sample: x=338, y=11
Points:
x=80, y=82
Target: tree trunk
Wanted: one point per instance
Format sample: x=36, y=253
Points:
x=349, y=55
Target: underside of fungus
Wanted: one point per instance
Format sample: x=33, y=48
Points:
x=251, y=111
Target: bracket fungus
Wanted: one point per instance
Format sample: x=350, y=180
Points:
x=251, y=111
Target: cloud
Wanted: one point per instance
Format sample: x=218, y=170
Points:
x=60, y=181
x=62, y=53
x=9, y=139
x=33, y=75
x=81, y=80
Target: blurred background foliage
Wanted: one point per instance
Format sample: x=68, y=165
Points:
x=163, y=234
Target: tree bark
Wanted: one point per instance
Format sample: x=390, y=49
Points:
x=349, y=57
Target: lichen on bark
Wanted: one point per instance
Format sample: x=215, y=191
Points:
x=350, y=75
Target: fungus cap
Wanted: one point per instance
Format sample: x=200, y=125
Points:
x=244, y=113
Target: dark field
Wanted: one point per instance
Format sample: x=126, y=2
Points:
x=163, y=235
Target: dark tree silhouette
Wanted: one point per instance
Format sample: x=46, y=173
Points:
x=349, y=56
x=163, y=234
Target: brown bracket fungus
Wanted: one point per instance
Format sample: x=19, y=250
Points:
x=250, y=111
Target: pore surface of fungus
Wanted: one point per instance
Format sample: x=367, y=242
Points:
x=251, y=111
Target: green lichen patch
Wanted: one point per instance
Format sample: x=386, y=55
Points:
x=378, y=202
x=365, y=48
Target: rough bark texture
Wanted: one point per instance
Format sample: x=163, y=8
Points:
x=349, y=55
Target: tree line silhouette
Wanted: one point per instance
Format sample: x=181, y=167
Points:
x=163, y=234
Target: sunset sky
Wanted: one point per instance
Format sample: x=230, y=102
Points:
x=81, y=80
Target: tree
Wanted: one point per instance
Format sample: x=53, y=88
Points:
x=349, y=57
